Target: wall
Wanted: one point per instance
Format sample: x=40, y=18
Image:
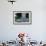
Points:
x=9, y=31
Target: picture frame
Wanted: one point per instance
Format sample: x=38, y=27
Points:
x=22, y=17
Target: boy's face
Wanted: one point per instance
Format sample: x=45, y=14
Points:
x=21, y=35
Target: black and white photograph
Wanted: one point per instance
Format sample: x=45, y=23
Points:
x=22, y=17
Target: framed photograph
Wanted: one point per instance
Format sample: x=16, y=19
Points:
x=22, y=17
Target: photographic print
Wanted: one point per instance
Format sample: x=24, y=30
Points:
x=22, y=17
